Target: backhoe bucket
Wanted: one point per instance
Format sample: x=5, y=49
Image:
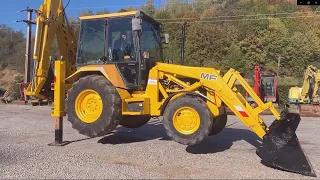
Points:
x=281, y=148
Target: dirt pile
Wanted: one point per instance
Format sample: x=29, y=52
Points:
x=8, y=77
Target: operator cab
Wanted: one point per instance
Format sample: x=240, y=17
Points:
x=269, y=83
x=130, y=40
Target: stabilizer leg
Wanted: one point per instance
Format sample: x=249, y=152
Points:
x=58, y=140
x=59, y=103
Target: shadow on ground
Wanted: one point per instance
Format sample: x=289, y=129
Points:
x=223, y=141
x=154, y=130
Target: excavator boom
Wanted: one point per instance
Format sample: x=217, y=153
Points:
x=310, y=85
x=306, y=98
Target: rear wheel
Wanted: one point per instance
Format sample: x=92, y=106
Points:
x=94, y=106
x=219, y=123
x=187, y=120
x=134, y=121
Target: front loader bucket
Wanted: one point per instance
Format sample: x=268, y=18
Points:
x=281, y=148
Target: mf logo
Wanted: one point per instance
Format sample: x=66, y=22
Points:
x=208, y=77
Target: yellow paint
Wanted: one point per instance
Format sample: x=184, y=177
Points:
x=220, y=91
x=88, y=106
x=152, y=91
x=124, y=94
x=110, y=71
x=223, y=88
x=145, y=101
x=59, y=90
x=310, y=72
x=108, y=15
x=51, y=11
x=186, y=120
x=294, y=94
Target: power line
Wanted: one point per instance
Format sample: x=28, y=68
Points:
x=139, y=5
x=230, y=20
x=243, y=15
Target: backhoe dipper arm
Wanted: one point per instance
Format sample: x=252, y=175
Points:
x=50, y=22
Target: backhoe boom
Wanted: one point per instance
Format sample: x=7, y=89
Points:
x=51, y=22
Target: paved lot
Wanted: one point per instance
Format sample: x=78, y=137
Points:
x=142, y=153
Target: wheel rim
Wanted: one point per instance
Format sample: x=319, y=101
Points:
x=88, y=106
x=186, y=120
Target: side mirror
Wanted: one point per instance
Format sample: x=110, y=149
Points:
x=167, y=38
x=170, y=61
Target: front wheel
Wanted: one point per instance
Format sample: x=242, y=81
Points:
x=187, y=120
x=94, y=106
x=219, y=123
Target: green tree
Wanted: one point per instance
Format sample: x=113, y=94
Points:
x=12, y=51
x=149, y=8
x=235, y=59
x=104, y=11
x=85, y=13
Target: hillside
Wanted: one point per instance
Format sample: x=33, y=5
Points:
x=12, y=55
x=7, y=77
x=222, y=34
x=241, y=34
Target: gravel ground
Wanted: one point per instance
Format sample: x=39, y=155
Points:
x=144, y=153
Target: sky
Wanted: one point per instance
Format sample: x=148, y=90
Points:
x=9, y=11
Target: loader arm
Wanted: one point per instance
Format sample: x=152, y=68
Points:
x=279, y=140
x=223, y=88
x=51, y=22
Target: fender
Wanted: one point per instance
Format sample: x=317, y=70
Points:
x=110, y=71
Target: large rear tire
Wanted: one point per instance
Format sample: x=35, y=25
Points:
x=133, y=122
x=219, y=123
x=94, y=106
x=187, y=120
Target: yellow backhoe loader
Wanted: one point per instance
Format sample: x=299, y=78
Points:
x=115, y=75
x=306, y=98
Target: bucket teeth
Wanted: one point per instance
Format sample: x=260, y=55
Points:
x=281, y=148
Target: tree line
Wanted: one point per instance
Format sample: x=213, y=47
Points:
x=222, y=34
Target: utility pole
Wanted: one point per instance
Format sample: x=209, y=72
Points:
x=278, y=70
x=183, y=38
x=28, y=49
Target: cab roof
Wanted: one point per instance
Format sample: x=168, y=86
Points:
x=131, y=13
x=137, y=14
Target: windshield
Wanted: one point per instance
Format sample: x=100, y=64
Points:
x=118, y=46
x=91, y=42
x=150, y=41
x=120, y=41
x=268, y=86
